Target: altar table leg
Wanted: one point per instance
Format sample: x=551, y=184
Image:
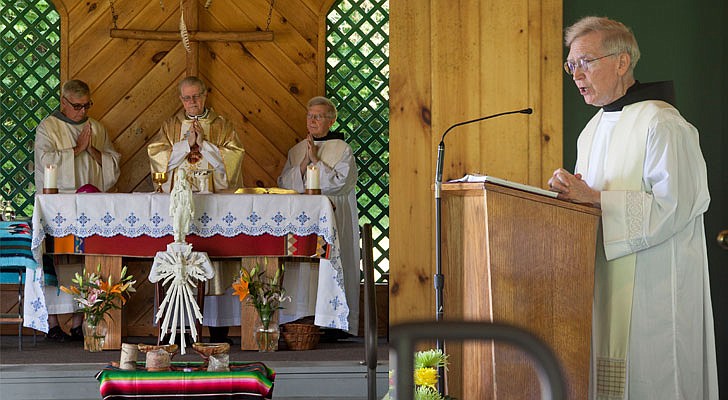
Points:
x=110, y=266
x=248, y=315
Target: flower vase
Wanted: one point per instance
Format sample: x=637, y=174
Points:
x=267, y=332
x=94, y=334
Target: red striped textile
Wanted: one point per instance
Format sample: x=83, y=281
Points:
x=214, y=246
x=188, y=380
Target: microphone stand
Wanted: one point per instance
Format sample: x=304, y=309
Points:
x=439, y=278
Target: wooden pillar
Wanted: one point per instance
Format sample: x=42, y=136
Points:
x=192, y=20
x=110, y=267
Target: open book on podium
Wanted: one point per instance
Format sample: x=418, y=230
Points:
x=468, y=178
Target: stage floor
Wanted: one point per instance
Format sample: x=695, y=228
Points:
x=64, y=371
x=46, y=352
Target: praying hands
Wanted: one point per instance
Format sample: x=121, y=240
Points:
x=84, y=144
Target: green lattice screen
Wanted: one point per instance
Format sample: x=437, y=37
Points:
x=357, y=78
x=30, y=71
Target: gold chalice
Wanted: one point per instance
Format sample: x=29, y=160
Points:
x=159, y=178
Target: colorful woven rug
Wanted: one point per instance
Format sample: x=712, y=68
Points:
x=188, y=380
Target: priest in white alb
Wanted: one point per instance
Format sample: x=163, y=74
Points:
x=335, y=163
x=640, y=161
x=79, y=151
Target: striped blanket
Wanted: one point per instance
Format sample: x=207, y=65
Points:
x=15, y=253
x=188, y=380
x=15, y=240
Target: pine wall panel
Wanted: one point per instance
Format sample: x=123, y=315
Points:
x=261, y=86
x=453, y=61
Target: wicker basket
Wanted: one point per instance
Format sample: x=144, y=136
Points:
x=301, y=336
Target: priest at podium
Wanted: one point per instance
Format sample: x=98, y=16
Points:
x=640, y=161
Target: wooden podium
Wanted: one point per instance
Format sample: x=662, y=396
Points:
x=522, y=259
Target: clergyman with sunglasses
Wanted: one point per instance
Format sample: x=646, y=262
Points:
x=640, y=161
x=83, y=154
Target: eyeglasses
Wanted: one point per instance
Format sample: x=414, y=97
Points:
x=317, y=117
x=570, y=66
x=79, y=106
x=194, y=97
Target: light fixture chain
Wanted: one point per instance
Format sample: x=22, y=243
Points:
x=270, y=15
x=114, y=15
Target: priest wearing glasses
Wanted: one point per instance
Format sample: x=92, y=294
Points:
x=76, y=144
x=336, y=173
x=84, y=156
x=198, y=139
x=640, y=161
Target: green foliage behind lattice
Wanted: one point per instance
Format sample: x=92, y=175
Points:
x=30, y=71
x=357, y=79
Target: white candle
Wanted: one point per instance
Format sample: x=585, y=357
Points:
x=50, y=177
x=312, y=177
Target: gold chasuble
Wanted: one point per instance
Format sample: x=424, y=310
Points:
x=614, y=279
x=219, y=132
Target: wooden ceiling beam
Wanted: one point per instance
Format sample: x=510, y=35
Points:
x=256, y=36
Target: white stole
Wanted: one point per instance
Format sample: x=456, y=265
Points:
x=614, y=279
x=330, y=152
x=75, y=171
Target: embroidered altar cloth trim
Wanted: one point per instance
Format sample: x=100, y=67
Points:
x=136, y=214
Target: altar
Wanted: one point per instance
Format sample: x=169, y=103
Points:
x=107, y=226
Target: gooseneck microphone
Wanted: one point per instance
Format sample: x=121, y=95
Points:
x=441, y=146
x=524, y=111
x=439, y=279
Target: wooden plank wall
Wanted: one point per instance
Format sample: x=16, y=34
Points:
x=262, y=86
x=449, y=60
x=453, y=61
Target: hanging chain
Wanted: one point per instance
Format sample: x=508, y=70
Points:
x=114, y=15
x=184, y=34
x=270, y=14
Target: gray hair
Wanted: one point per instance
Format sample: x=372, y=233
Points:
x=75, y=88
x=617, y=37
x=190, y=81
x=323, y=101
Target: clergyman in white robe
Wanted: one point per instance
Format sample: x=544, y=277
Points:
x=653, y=334
x=640, y=161
x=338, y=176
x=56, y=136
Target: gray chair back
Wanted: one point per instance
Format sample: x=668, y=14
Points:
x=405, y=336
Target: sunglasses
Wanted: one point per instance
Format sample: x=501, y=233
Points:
x=79, y=106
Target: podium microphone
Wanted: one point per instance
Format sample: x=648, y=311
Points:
x=439, y=279
x=441, y=146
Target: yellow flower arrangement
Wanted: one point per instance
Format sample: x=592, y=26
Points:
x=426, y=376
x=426, y=365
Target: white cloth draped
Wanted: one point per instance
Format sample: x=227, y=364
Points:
x=133, y=215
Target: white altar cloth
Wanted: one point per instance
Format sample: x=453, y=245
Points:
x=136, y=214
